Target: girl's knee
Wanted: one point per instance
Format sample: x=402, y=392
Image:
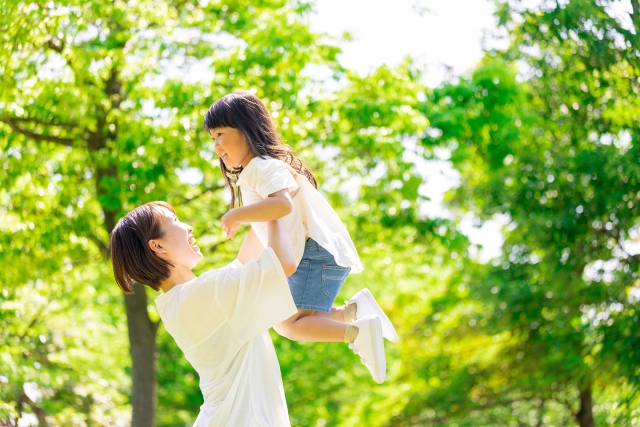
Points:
x=288, y=330
x=291, y=328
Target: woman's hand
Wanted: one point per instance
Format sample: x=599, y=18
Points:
x=230, y=223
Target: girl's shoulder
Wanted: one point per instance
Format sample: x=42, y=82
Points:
x=267, y=171
x=265, y=165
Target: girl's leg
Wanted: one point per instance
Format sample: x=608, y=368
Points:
x=345, y=313
x=336, y=314
x=306, y=326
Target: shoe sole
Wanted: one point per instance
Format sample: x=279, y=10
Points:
x=392, y=335
x=381, y=361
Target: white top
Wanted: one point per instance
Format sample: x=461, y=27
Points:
x=312, y=215
x=220, y=321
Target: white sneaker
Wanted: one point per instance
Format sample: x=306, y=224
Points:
x=369, y=345
x=366, y=305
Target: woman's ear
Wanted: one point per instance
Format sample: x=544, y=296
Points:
x=156, y=247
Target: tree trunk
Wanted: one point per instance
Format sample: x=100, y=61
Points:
x=142, y=331
x=142, y=339
x=585, y=414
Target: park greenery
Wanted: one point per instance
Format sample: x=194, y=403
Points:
x=101, y=108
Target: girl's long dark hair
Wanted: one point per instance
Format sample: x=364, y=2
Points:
x=245, y=111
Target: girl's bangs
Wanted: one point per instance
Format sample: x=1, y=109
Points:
x=219, y=116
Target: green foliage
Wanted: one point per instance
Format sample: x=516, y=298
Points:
x=551, y=144
x=55, y=342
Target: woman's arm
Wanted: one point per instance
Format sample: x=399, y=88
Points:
x=273, y=207
x=251, y=248
x=281, y=245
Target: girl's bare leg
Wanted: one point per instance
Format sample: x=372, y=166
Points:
x=307, y=326
x=335, y=314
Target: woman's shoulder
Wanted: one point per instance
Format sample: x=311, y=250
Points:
x=210, y=274
x=204, y=286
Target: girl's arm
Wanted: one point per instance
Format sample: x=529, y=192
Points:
x=273, y=207
x=251, y=248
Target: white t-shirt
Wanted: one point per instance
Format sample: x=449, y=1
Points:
x=220, y=321
x=312, y=215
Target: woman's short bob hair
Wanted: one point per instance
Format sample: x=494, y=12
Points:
x=131, y=258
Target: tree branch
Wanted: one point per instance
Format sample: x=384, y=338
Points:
x=155, y=326
x=35, y=319
x=207, y=190
x=41, y=122
x=36, y=136
x=19, y=403
x=100, y=244
x=58, y=47
x=38, y=411
x=635, y=15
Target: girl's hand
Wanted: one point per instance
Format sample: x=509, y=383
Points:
x=293, y=172
x=230, y=224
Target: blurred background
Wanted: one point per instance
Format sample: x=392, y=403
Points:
x=484, y=156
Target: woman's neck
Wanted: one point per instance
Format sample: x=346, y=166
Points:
x=176, y=278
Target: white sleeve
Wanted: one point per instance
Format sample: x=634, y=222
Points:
x=270, y=176
x=233, y=264
x=256, y=296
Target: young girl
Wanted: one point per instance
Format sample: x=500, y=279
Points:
x=255, y=161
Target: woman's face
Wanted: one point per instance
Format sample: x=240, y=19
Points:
x=178, y=242
x=231, y=145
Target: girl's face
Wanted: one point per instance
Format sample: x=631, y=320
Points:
x=231, y=145
x=178, y=243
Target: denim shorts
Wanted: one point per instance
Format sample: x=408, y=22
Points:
x=318, y=280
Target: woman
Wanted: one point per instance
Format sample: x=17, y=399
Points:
x=220, y=319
